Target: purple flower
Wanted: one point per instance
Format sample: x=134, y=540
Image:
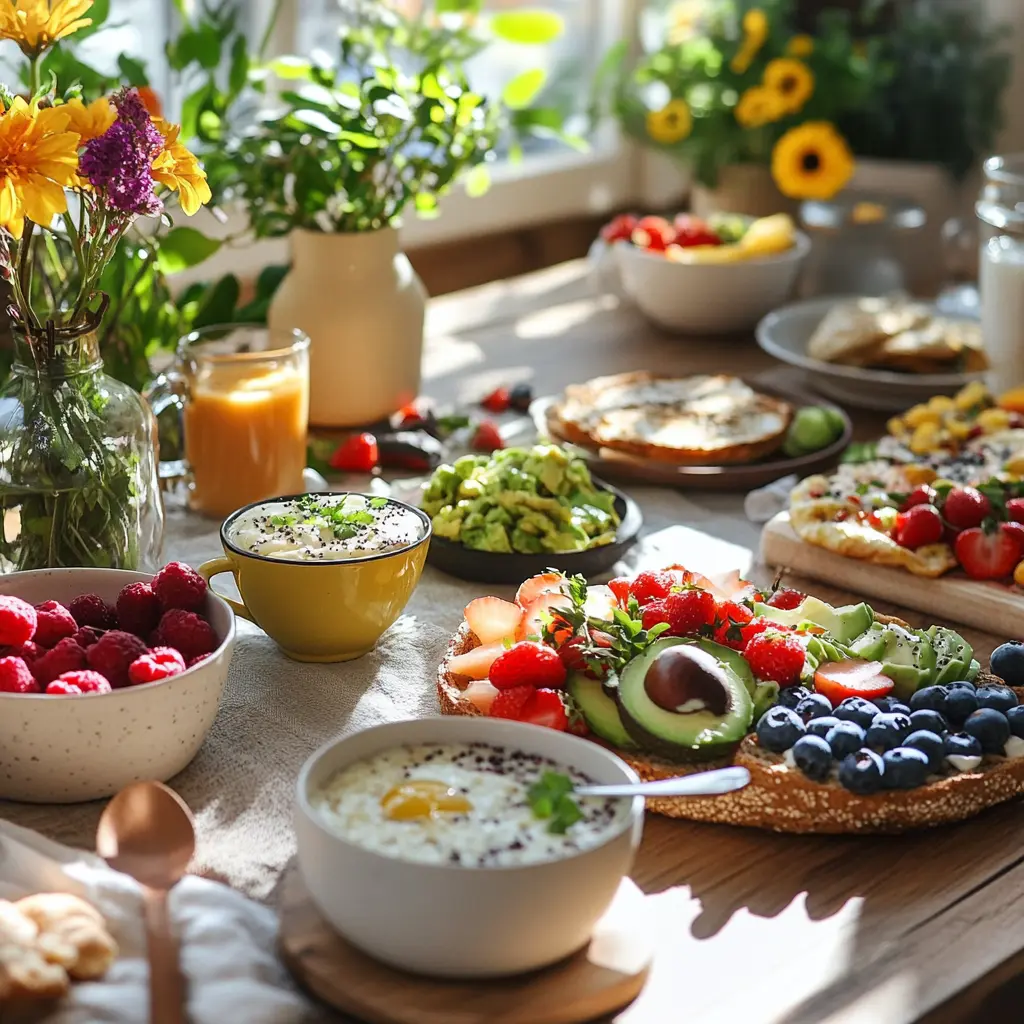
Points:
x=118, y=162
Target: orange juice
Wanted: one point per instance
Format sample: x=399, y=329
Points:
x=245, y=433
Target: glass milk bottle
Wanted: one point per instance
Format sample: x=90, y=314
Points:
x=1001, y=271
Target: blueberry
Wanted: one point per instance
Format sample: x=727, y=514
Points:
x=820, y=726
x=931, y=745
x=790, y=696
x=990, y=728
x=845, y=738
x=959, y=703
x=930, y=720
x=905, y=768
x=861, y=772
x=999, y=698
x=813, y=757
x=857, y=709
x=889, y=704
x=779, y=729
x=962, y=744
x=929, y=698
x=1015, y=716
x=520, y=397
x=814, y=706
x=1007, y=662
x=888, y=730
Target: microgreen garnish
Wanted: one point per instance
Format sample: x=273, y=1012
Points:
x=550, y=797
x=378, y=502
x=341, y=523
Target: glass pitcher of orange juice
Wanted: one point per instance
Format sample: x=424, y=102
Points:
x=242, y=394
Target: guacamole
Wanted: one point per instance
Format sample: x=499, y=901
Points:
x=527, y=500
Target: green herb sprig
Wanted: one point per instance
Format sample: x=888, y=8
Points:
x=551, y=798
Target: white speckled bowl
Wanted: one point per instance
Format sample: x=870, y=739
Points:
x=71, y=749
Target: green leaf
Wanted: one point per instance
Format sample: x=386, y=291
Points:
x=270, y=279
x=528, y=27
x=522, y=90
x=360, y=139
x=183, y=247
x=239, y=70
x=458, y=6
x=291, y=68
x=477, y=181
x=320, y=122
x=134, y=71
x=218, y=304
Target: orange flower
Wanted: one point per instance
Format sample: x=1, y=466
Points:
x=150, y=100
x=177, y=168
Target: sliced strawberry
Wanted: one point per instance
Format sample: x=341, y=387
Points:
x=578, y=656
x=527, y=664
x=987, y=556
x=510, y=703
x=1014, y=510
x=545, y=583
x=619, y=228
x=838, y=680
x=545, y=708
x=497, y=401
x=358, y=454
x=476, y=664
x=728, y=620
x=786, y=598
x=492, y=619
x=533, y=623
x=620, y=588
x=600, y=604
x=654, y=233
x=487, y=437
x=1015, y=530
x=481, y=694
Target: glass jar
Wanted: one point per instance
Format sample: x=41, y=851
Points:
x=78, y=461
x=1000, y=211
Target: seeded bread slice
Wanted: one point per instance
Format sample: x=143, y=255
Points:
x=783, y=799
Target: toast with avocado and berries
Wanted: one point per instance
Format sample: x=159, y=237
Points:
x=848, y=721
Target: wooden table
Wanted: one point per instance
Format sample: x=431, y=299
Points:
x=756, y=927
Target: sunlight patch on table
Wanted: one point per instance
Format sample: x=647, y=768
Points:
x=550, y=323
x=445, y=356
x=696, y=550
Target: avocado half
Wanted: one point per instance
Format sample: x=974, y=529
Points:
x=678, y=701
x=600, y=710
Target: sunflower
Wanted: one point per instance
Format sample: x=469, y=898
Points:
x=176, y=167
x=90, y=121
x=791, y=80
x=35, y=26
x=670, y=124
x=811, y=161
x=800, y=46
x=759, y=106
x=755, y=32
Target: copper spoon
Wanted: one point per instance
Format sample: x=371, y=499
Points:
x=147, y=832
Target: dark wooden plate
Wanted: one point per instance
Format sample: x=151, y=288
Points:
x=490, y=567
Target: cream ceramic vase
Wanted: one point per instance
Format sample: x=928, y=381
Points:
x=362, y=305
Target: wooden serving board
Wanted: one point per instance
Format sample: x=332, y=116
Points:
x=992, y=607
x=596, y=982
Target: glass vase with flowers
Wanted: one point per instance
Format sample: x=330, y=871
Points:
x=78, y=479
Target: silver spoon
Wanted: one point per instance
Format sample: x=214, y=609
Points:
x=713, y=783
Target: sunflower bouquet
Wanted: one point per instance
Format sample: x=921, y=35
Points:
x=731, y=82
x=77, y=465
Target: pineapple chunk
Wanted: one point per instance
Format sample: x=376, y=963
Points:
x=769, y=235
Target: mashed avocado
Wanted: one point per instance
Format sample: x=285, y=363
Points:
x=530, y=500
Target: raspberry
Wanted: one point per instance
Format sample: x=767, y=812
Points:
x=776, y=656
x=510, y=703
x=113, y=653
x=62, y=688
x=67, y=656
x=654, y=613
x=53, y=623
x=649, y=586
x=92, y=610
x=29, y=652
x=159, y=663
x=16, y=677
x=17, y=620
x=729, y=617
x=186, y=631
x=87, y=636
x=87, y=681
x=178, y=585
x=138, y=609
x=527, y=663
x=690, y=610
x=786, y=599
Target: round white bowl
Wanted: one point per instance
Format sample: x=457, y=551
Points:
x=71, y=749
x=452, y=921
x=712, y=298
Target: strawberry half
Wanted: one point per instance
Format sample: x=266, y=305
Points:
x=987, y=556
x=487, y=437
x=545, y=708
x=492, y=619
x=497, y=401
x=358, y=454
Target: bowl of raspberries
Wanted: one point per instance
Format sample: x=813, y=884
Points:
x=106, y=677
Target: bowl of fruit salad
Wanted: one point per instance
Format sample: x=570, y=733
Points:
x=106, y=677
x=713, y=276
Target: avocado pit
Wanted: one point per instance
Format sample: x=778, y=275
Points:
x=687, y=680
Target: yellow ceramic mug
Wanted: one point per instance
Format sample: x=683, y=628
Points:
x=320, y=610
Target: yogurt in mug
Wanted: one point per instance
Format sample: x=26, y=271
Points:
x=325, y=527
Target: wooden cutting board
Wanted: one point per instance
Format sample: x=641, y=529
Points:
x=993, y=607
x=596, y=982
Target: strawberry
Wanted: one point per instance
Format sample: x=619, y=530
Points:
x=357, y=454
x=923, y=495
x=987, y=556
x=476, y=664
x=407, y=417
x=728, y=619
x=510, y=703
x=775, y=655
x=653, y=233
x=786, y=599
x=758, y=625
x=492, y=619
x=1015, y=510
x=650, y=585
x=692, y=230
x=655, y=612
x=578, y=656
x=688, y=611
x=497, y=401
x=918, y=526
x=527, y=663
x=545, y=708
x=535, y=613
x=487, y=437
x=1015, y=530
x=620, y=588
x=545, y=583
x=965, y=507
x=852, y=677
x=619, y=229
x=480, y=694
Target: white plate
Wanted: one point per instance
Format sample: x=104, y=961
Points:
x=785, y=333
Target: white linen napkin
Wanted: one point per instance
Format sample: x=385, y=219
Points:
x=767, y=502
x=227, y=943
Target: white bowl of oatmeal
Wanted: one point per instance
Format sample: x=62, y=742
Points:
x=419, y=843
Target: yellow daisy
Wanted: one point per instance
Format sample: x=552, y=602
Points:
x=38, y=158
x=35, y=25
x=90, y=121
x=755, y=32
x=791, y=80
x=176, y=167
x=811, y=161
x=800, y=46
x=759, y=106
x=670, y=124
